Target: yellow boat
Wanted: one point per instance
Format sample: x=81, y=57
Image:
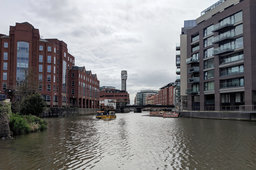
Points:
x=106, y=115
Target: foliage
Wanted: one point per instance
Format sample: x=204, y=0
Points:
x=5, y=108
x=33, y=105
x=20, y=124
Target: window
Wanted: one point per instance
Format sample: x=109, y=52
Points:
x=54, y=49
x=4, y=75
x=40, y=68
x=5, y=66
x=48, y=87
x=209, y=64
x=239, y=43
x=49, y=49
x=49, y=59
x=48, y=98
x=55, y=98
x=208, y=41
x=73, y=83
x=40, y=87
x=231, y=83
x=238, y=17
x=4, y=86
x=239, y=29
x=54, y=79
x=22, y=60
x=49, y=69
x=54, y=69
x=195, y=38
x=73, y=91
x=208, y=53
x=54, y=60
x=5, y=44
x=232, y=58
x=65, y=54
x=40, y=58
x=232, y=70
x=208, y=31
x=41, y=48
x=40, y=77
x=209, y=86
x=196, y=48
x=225, y=98
x=48, y=77
x=208, y=74
x=5, y=56
x=73, y=75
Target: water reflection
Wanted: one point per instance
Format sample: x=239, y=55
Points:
x=134, y=141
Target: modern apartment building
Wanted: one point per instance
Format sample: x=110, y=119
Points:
x=221, y=57
x=141, y=97
x=46, y=62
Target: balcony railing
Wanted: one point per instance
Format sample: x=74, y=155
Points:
x=193, y=70
x=219, y=26
x=177, y=78
x=192, y=91
x=178, y=71
x=222, y=50
x=220, y=38
x=194, y=80
x=192, y=60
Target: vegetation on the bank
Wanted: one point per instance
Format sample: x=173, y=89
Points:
x=26, y=121
x=23, y=124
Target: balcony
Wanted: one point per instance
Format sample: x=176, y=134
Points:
x=177, y=63
x=177, y=47
x=219, y=27
x=178, y=71
x=193, y=70
x=177, y=78
x=219, y=51
x=192, y=60
x=192, y=91
x=229, y=36
x=194, y=80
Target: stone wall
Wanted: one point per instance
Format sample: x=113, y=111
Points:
x=4, y=126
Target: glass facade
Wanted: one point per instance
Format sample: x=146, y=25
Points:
x=208, y=74
x=49, y=69
x=22, y=61
x=232, y=70
x=237, y=82
x=208, y=31
x=195, y=38
x=208, y=42
x=209, y=64
x=64, y=76
x=209, y=86
x=40, y=68
x=232, y=58
x=208, y=53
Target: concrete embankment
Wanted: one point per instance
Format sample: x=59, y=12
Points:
x=249, y=116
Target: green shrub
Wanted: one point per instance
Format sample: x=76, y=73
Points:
x=33, y=105
x=20, y=124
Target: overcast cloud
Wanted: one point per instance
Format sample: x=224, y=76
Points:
x=107, y=36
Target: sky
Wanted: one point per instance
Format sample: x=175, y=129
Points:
x=107, y=36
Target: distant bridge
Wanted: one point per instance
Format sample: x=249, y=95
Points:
x=139, y=108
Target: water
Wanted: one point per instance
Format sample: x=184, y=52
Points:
x=134, y=142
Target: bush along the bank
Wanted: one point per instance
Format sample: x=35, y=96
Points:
x=20, y=124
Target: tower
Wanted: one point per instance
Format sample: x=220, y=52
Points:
x=123, y=80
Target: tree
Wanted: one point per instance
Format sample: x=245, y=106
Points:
x=33, y=104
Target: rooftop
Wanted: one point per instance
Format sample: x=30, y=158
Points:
x=212, y=7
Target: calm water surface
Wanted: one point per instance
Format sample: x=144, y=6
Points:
x=134, y=142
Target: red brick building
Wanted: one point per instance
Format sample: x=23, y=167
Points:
x=46, y=61
x=84, y=88
x=121, y=97
x=164, y=97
